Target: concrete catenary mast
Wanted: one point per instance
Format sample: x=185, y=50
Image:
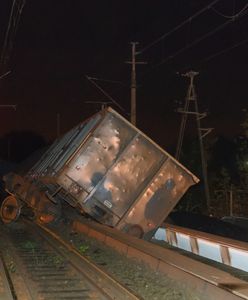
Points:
x=133, y=82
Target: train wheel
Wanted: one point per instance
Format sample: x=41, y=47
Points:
x=10, y=209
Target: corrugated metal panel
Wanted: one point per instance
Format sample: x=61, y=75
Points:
x=116, y=173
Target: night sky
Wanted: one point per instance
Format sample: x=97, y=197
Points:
x=58, y=42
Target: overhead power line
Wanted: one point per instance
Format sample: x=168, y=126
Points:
x=15, y=15
x=107, y=80
x=5, y=74
x=91, y=79
x=188, y=20
x=195, y=42
x=216, y=54
x=200, y=39
x=224, y=50
x=230, y=16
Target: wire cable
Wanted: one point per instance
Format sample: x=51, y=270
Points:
x=230, y=16
x=197, y=41
x=105, y=93
x=188, y=20
x=224, y=51
x=212, y=56
x=107, y=80
x=16, y=11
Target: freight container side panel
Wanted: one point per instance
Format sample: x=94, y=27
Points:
x=159, y=198
x=111, y=170
x=51, y=154
x=98, y=154
x=83, y=131
x=129, y=176
x=60, y=151
x=42, y=163
x=64, y=142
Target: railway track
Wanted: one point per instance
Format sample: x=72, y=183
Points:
x=40, y=267
x=210, y=281
x=44, y=263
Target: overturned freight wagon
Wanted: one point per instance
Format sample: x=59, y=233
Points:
x=104, y=167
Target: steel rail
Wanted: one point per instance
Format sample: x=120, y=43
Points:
x=111, y=287
x=197, y=275
x=52, y=269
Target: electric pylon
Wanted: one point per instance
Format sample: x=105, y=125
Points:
x=191, y=108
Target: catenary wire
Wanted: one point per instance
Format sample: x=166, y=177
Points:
x=195, y=42
x=212, y=56
x=188, y=20
x=230, y=16
x=224, y=50
x=14, y=20
x=105, y=93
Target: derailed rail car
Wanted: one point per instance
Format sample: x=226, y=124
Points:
x=107, y=168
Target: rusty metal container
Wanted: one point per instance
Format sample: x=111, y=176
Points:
x=109, y=169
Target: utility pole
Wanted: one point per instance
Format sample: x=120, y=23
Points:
x=133, y=85
x=191, y=98
x=133, y=82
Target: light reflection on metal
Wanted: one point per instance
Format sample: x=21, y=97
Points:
x=230, y=252
x=109, y=169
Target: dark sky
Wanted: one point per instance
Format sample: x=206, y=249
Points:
x=58, y=42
